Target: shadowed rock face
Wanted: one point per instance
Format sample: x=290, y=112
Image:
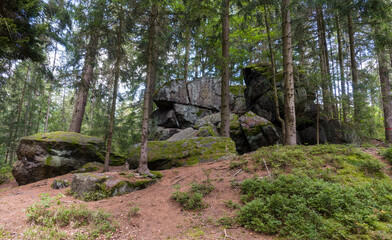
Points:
x=48, y=155
x=254, y=124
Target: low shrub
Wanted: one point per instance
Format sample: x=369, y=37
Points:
x=305, y=208
x=193, y=199
x=49, y=214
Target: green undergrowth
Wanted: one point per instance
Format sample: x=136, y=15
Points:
x=193, y=199
x=317, y=192
x=49, y=217
x=388, y=154
x=5, y=174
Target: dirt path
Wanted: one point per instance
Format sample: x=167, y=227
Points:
x=159, y=217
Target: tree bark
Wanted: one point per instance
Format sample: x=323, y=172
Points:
x=50, y=91
x=385, y=94
x=143, y=167
x=354, y=69
x=289, y=108
x=324, y=64
x=225, y=98
x=272, y=59
x=115, y=89
x=341, y=69
x=87, y=75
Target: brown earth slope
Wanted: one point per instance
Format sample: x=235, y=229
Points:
x=159, y=216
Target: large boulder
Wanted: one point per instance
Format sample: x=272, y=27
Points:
x=258, y=131
x=169, y=154
x=47, y=155
x=96, y=186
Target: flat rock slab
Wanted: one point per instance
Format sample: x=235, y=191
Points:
x=96, y=186
x=169, y=154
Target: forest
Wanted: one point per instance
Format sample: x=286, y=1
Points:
x=259, y=119
x=83, y=66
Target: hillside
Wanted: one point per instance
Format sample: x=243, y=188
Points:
x=152, y=213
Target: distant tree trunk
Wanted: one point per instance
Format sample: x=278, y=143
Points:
x=341, y=68
x=143, y=167
x=50, y=91
x=385, y=94
x=272, y=59
x=289, y=107
x=15, y=125
x=115, y=89
x=354, y=70
x=324, y=65
x=87, y=76
x=187, y=50
x=225, y=98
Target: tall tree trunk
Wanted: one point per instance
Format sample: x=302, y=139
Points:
x=272, y=59
x=115, y=89
x=354, y=70
x=386, y=94
x=15, y=130
x=225, y=98
x=289, y=107
x=87, y=75
x=143, y=167
x=50, y=91
x=341, y=69
x=324, y=65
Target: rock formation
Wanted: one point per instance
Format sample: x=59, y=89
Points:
x=195, y=105
x=48, y=155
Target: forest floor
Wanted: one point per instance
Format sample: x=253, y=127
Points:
x=159, y=217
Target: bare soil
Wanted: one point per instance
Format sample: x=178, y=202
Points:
x=159, y=217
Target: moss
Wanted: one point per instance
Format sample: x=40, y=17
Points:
x=157, y=174
x=69, y=137
x=207, y=131
x=234, y=123
x=184, y=152
x=117, y=159
x=48, y=161
x=237, y=90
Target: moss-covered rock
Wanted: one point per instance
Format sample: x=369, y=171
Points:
x=164, y=154
x=89, y=167
x=207, y=131
x=96, y=186
x=47, y=155
x=60, y=183
x=258, y=131
x=117, y=159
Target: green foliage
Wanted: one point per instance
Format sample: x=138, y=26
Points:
x=193, y=199
x=231, y=204
x=226, y=221
x=320, y=192
x=5, y=173
x=336, y=163
x=388, y=154
x=305, y=208
x=49, y=214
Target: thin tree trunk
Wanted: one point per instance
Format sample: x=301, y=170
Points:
x=324, y=62
x=341, y=67
x=289, y=108
x=50, y=91
x=386, y=95
x=115, y=89
x=143, y=167
x=272, y=59
x=87, y=75
x=354, y=70
x=17, y=123
x=225, y=98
